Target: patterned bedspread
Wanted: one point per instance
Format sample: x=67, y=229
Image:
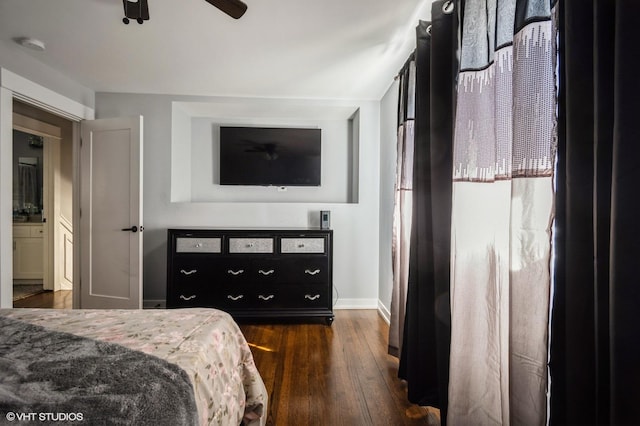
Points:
x=206, y=343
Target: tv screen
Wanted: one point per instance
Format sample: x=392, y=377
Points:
x=269, y=156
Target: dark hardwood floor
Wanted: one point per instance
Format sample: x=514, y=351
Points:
x=338, y=375
x=62, y=299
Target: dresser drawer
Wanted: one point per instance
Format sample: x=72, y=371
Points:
x=302, y=245
x=309, y=270
x=198, y=245
x=192, y=277
x=233, y=296
x=308, y=297
x=250, y=297
x=250, y=245
x=194, y=272
x=189, y=296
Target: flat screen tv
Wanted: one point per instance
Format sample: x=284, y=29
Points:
x=269, y=156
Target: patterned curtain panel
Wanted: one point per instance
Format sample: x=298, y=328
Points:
x=502, y=211
x=403, y=204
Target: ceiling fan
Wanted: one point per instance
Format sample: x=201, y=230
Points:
x=139, y=9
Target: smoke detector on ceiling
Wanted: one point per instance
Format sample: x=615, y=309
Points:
x=32, y=43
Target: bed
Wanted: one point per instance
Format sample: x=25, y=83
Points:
x=180, y=366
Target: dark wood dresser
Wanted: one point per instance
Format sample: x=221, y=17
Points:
x=252, y=273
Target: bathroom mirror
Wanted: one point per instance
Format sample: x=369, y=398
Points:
x=27, y=178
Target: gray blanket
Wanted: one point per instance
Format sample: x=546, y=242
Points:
x=43, y=371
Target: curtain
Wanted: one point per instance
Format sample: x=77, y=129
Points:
x=402, y=212
x=595, y=339
x=424, y=360
x=502, y=211
x=29, y=187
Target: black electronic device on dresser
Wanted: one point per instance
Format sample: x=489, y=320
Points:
x=252, y=273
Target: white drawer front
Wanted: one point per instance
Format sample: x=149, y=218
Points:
x=21, y=231
x=250, y=245
x=37, y=231
x=302, y=245
x=28, y=231
x=198, y=245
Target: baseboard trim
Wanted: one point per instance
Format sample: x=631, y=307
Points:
x=154, y=304
x=384, y=312
x=356, y=304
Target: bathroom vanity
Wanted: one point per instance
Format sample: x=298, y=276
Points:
x=28, y=251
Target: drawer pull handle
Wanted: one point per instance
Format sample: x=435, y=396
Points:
x=187, y=297
x=310, y=272
x=269, y=297
x=249, y=245
x=193, y=271
x=301, y=245
x=269, y=272
x=238, y=272
x=234, y=298
x=198, y=245
x=310, y=297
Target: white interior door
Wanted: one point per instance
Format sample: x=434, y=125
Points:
x=111, y=213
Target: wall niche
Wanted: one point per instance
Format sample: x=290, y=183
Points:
x=195, y=150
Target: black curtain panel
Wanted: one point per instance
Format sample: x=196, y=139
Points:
x=595, y=327
x=424, y=360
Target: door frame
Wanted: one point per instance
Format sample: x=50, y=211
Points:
x=51, y=190
x=14, y=86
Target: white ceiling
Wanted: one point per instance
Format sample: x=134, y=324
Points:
x=329, y=49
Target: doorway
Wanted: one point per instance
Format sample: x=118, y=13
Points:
x=42, y=208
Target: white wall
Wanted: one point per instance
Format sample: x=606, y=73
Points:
x=180, y=154
x=356, y=225
x=388, y=154
x=45, y=86
x=15, y=59
x=337, y=148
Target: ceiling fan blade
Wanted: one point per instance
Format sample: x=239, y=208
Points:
x=233, y=8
